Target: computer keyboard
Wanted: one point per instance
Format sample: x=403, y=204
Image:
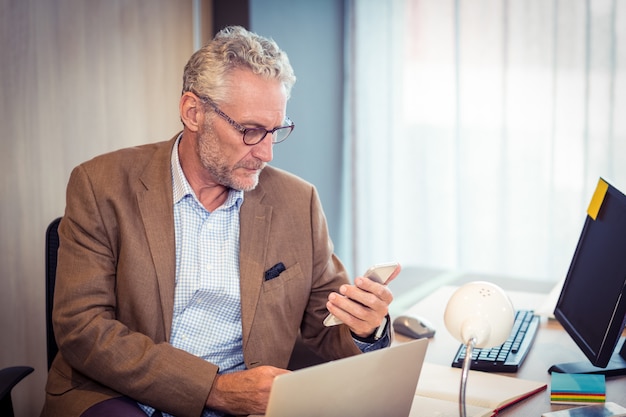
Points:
x=511, y=354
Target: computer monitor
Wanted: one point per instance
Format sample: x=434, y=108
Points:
x=592, y=303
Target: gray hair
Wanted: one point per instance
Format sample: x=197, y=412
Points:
x=234, y=47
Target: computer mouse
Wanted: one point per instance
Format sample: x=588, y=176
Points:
x=413, y=326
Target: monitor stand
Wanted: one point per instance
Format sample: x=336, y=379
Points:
x=615, y=367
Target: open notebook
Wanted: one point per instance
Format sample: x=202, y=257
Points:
x=437, y=393
x=374, y=384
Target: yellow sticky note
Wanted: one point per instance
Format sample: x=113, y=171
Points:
x=597, y=199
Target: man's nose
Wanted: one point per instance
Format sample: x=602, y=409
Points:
x=264, y=150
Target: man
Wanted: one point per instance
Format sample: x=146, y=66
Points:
x=187, y=268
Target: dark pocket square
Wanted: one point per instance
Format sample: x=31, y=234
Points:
x=274, y=271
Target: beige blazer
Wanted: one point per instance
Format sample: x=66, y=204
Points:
x=114, y=294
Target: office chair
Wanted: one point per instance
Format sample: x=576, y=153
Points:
x=52, y=245
x=9, y=377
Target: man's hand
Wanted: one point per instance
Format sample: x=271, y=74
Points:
x=245, y=392
x=362, y=306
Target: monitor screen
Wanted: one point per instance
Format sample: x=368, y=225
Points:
x=592, y=304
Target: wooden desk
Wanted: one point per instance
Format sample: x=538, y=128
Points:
x=552, y=345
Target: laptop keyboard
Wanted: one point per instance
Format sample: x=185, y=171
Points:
x=511, y=354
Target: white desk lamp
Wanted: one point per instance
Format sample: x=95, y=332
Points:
x=478, y=314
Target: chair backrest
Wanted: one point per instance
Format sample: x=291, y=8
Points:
x=52, y=245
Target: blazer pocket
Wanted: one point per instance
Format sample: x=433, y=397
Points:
x=289, y=274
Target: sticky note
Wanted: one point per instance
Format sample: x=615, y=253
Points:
x=577, y=388
x=597, y=199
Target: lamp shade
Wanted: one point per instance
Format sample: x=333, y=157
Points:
x=480, y=310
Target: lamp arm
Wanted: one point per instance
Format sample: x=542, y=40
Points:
x=469, y=347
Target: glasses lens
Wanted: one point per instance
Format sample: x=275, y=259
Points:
x=254, y=136
x=282, y=134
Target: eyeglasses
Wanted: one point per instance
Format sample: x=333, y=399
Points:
x=252, y=136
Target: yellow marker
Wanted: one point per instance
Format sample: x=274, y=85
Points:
x=597, y=199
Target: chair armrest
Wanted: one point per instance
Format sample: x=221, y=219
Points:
x=9, y=377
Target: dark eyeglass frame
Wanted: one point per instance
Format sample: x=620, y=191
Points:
x=245, y=130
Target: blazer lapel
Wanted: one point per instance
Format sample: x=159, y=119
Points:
x=157, y=214
x=255, y=220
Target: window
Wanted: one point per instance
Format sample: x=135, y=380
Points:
x=476, y=131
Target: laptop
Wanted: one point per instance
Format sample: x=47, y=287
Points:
x=373, y=384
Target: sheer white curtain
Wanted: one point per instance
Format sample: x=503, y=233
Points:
x=476, y=130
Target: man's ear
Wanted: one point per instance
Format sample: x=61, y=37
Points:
x=191, y=111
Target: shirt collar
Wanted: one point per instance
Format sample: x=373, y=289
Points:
x=181, y=187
